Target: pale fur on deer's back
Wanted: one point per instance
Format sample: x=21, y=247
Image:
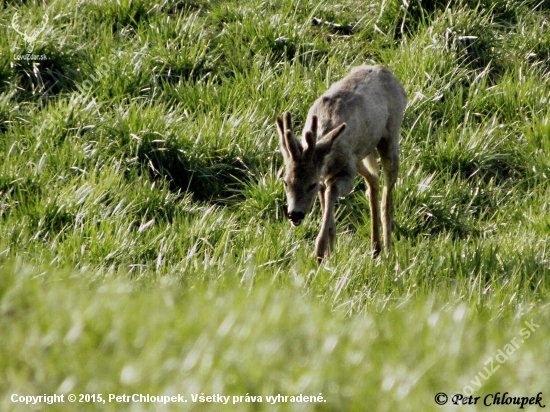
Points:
x=368, y=99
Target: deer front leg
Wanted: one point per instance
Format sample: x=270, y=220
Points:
x=327, y=236
x=322, y=198
x=325, y=240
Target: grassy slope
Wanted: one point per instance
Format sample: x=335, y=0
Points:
x=142, y=240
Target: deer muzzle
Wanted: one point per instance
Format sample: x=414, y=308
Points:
x=296, y=217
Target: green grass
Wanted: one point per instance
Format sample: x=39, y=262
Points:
x=143, y=244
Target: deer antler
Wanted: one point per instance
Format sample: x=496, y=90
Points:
x=36, y=32
x=15, y=26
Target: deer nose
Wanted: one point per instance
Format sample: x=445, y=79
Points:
x=296, y=217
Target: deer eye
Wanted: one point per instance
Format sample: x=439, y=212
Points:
x=313, y=186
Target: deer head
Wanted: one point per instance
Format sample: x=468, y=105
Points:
x=29, y=39
x=303, y=164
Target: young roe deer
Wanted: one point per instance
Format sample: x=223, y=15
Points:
x=356, y=118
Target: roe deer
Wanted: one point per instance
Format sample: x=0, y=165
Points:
x=357, y=117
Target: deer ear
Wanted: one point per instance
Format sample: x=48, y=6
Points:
x=324, y=145
x=282, y=140
x=288, y=121
x=290, y=147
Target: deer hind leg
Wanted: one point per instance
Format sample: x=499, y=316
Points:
x=324, y=243
x=368, y=168
x=389, y=156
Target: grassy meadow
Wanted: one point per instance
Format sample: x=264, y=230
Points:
x=143, y=243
